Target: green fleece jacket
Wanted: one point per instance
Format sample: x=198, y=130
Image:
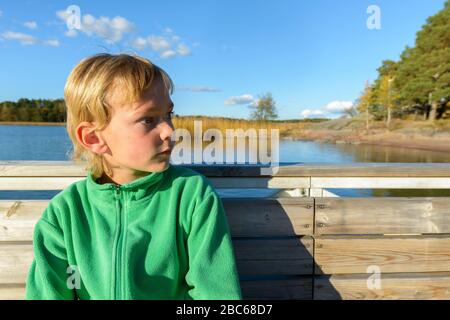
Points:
x=162, y=236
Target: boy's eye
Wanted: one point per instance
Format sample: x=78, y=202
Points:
x=151, y=120
x=148, y=120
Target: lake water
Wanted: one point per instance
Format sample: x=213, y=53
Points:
x=52, y=143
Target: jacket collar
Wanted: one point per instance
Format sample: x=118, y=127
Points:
x=139, y=188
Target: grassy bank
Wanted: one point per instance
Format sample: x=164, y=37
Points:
x=402, y=133
x=424, y=135
x=220, y=123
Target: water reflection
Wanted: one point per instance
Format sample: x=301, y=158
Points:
x=52, y=143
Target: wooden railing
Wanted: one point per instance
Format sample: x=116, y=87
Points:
x=302, y=243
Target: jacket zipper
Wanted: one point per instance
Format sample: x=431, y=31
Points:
x=118, y=252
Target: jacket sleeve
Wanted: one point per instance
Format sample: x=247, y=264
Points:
x=212, y=273
x=47, y=276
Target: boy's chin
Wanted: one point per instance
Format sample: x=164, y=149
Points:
x=161, y=166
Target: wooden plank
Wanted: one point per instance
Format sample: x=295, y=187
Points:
x=260, y=183
x=17, y=218
x=12, y=291
x=269, y=216
x=70, y=169
x=298, y=289
x=37, y=183
x=275, y=256
x=380, y=183
x=248, y=217
x=291, y=289
x=355, y=254
x=15, y=261
x=392, y=286
x=254, y=257
x=364, y=169
x=59, y=183
x=382, y=215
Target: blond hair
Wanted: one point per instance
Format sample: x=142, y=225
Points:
x=88, y=88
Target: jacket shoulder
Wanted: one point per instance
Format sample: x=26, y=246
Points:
x=60, y=205
x=189, y=178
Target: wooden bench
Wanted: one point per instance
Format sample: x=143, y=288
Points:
x=303, y=242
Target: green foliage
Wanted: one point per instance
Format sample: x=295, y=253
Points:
x=422, y=75
x=265, y=109
x=34, y=110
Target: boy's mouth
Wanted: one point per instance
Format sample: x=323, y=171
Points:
x=166, y=152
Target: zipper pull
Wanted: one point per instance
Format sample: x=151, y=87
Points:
x=117, y=191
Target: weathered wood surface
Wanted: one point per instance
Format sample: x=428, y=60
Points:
x=399, y=215
x=270, y=217
x=381, y=182
x=292, y=289
x=247, y=217
x=253, y=257
x=59, y=183
x=12, y=291
x=363, y=169
x=394, y=286
x=298, y=289
x=15, y=260
x=325, y=248
x=355, y=254
x=274, y=256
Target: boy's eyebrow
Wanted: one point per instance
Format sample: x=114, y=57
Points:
x=143, y=111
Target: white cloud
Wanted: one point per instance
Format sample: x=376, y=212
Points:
x=111, y=30
x=308, y=113
x=254, y=103
x=52, y=43
x=31, y=24
x=168, y=54
x=24, y=39
x=139, y=43
x=114, y=29
x=242, y=99
x=167, y=45
x=339, y=106
x=63, y=15
x=158, y=43
x=183, y=50
x=197, y=89
x=71, y=33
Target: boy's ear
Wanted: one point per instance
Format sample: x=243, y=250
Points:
x=90, y=138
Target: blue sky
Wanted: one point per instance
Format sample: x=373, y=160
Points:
x=313, y=56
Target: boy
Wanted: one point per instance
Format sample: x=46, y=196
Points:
x=137, y=227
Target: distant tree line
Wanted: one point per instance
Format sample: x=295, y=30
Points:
x=419, y=83
x=33, y=110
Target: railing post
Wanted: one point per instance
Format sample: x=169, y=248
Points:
x=315, y=192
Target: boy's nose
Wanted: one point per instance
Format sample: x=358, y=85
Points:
x=166, y=130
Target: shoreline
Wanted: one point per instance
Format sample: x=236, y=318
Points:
x=435, y=147
x=375, y=137
x=25, y=123
x=345, y=136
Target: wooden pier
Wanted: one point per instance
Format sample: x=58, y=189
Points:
x=304, y=242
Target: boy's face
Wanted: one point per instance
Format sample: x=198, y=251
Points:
x=137, y=134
